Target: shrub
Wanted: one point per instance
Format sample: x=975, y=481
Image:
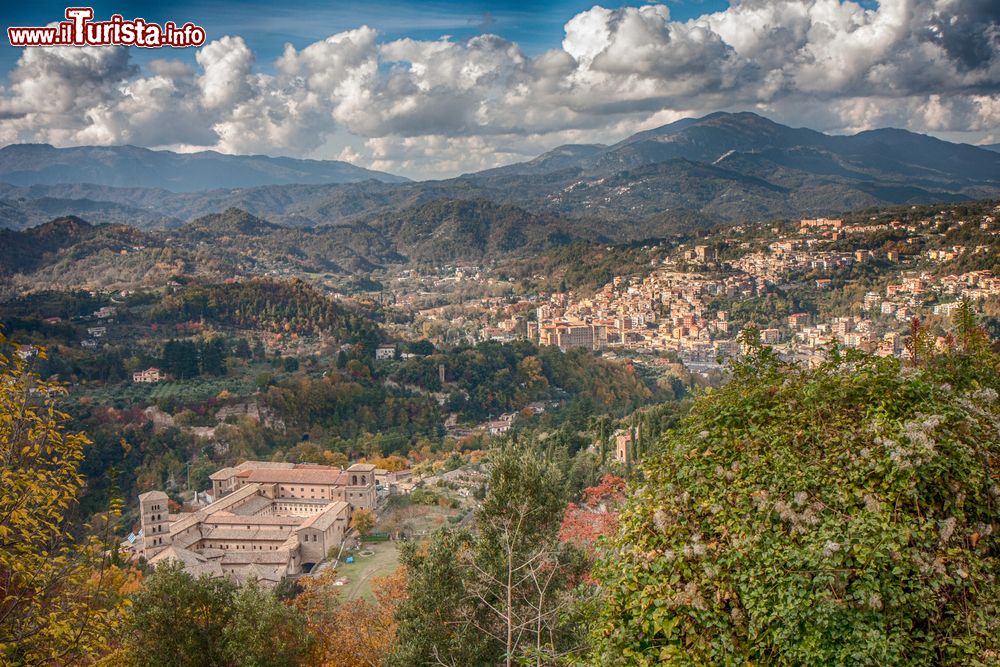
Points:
x=845, y=514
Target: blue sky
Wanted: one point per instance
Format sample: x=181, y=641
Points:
x=268, y=25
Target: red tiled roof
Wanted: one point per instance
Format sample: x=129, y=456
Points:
x=294, y=476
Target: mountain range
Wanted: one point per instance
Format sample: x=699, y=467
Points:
x=721, y=168
x=717, y=137
x=132, y=166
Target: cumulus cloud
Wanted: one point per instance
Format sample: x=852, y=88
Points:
x=440, y=107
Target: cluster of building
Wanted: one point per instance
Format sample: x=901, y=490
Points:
x=666, y=310
x=784, y=257
x=852, y=331
x=902, y=298
x=669, y=309
x=900, y=302
x=267, y=520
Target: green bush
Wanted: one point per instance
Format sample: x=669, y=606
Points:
x=842, y=515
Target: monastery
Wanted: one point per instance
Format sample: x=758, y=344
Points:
x=268, y=520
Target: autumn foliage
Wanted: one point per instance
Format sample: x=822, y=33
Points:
x=59, y=597
x=355, y=633
x=595, y=516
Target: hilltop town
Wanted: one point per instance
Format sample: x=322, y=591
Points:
x=682, y=305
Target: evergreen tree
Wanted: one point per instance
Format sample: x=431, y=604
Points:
x=503, y=596
x=180, y=359
x=242, y=349
x=177, y=620
x=212, y=355
x=434, y=627
x=264, y=632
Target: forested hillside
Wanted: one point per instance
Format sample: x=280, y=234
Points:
x=857, y=497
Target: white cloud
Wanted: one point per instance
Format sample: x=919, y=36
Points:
x=227, y=65
x=442, y=107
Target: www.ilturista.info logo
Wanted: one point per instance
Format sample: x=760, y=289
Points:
x=80, y=30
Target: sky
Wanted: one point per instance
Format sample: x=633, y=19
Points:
x=435, y=89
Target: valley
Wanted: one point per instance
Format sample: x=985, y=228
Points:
x=518, y=363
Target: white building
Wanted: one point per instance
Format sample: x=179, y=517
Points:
x=150, y=375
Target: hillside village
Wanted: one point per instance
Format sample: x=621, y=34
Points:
x=675, y=308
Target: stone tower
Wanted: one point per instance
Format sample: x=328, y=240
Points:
x=155, y=522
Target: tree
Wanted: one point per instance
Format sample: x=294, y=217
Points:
x=242, y=349
x=338, y=459
x=263, y=380
x=434, y=619
x=263, y=632
x=393, y=463
x=355, y=632
x=59, y=598
x=521, y=572
x=601, y=428
x=422, y=347
x=837, y=515
x=180, y=359
x=505, y=596
x=177, y=620
x=363, y=521
x=596, y=517
x=212, y=356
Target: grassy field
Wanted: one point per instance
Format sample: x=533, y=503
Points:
x=359, y=574
x=385, y=555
